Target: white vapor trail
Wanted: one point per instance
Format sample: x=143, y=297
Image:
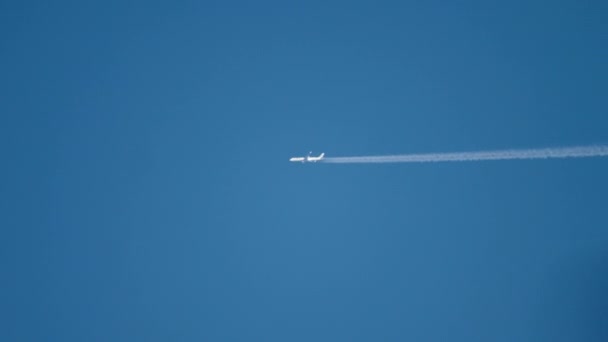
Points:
x=540, y=153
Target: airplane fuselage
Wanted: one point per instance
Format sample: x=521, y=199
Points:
x=307, y=159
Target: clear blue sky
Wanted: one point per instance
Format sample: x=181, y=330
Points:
x=146, y=193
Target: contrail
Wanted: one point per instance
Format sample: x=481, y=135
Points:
x=540, y=153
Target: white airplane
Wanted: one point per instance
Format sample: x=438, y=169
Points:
x=307, y=159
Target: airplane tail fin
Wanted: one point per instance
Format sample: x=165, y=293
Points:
x=322, y=155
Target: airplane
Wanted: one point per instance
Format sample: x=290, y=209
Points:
x=307, y=159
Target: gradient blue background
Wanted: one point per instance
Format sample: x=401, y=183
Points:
x=147, y=196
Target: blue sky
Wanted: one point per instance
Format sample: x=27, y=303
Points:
x=146, y=192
